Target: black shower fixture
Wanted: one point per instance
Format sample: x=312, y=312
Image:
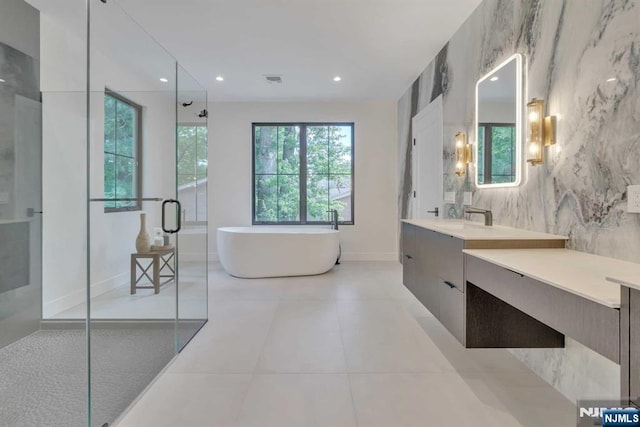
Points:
x=186, y=104
x=203, y=113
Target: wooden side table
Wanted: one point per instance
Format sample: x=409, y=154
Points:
x=161, y=261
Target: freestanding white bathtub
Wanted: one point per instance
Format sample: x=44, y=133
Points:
x=274, y=251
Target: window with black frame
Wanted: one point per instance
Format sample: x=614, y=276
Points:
x=301, y=171
x=192, y=172
x=499, y=139
x=122, y=150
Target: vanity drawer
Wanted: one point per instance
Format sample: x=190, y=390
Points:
x=594, y=325
x=450, y=260
x=451, y=313
x=409, y=268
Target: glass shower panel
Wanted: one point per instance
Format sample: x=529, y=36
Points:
x=133, y=287
x=191, y=180
x=43, y=360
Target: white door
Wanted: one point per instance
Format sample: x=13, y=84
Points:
x=427, y=162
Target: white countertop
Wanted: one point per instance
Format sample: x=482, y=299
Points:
x=580, y=273
x=471, y=230
x=630, y=279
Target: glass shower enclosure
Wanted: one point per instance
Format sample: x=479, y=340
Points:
x=103, y=211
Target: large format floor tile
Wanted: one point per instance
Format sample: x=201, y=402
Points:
x=298, y=400
x=416, y=400
x=380, y=336
x=232, y=340
x=304, y=337
x=190, y=400
x=349, y=348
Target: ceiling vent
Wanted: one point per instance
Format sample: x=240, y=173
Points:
x=273, y=79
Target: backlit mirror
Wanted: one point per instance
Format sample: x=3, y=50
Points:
x=499, y=125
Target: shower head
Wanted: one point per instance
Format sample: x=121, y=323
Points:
x=186, y=104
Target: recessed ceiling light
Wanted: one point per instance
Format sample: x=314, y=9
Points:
x=163, y=80
x=219, y=78
x=2, y=81
x=337, y=78
x=494, y=79
x=612, y=79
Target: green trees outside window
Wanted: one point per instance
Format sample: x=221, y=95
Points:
x=496, y=153
x=302, y=170
x=192, y=171
x=121, y=153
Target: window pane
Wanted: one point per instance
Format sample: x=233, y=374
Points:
x=317, y=197
x=318, y=150
x=277, y=172
x=340, y=150
x=120, y=151
x=266, y=198
x=109, y=124
x=125, y=129
x=266, y=149
x=340, y=196
x=288, y=150
x=109, y=179
x=125, y=181
x=503, y=154
x=288, y=198
x=201, y=153
x=185, y=180
x=187, y=151
x=480, y=160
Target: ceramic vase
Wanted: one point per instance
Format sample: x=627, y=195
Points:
x=143, y=244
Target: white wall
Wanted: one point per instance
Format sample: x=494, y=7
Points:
x=497, y=112
x=17, y=21
x=64, y=167
x=374, y=234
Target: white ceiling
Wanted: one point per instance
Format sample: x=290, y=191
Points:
x=503, y=89
x=378, y=47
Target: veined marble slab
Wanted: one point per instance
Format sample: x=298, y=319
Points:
x=583, y=58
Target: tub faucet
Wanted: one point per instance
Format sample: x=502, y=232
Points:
x=334, y=218
x=488, y=216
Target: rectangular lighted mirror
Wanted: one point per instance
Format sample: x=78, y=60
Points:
x=499, y=125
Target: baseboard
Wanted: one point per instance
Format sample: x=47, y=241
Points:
x=72, y=299
x=369, y=256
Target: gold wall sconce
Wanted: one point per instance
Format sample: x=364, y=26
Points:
x=463, y=153
x=542, y=131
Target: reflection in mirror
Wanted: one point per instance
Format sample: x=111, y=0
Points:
x=498, y=120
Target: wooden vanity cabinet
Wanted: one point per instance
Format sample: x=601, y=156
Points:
x=433, y=272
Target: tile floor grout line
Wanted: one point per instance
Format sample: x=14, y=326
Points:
x=344, y=353
x=255, y=368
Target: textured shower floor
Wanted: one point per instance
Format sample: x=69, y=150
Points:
x=43, y=377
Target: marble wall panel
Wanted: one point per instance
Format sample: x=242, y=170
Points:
x=571, y=49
